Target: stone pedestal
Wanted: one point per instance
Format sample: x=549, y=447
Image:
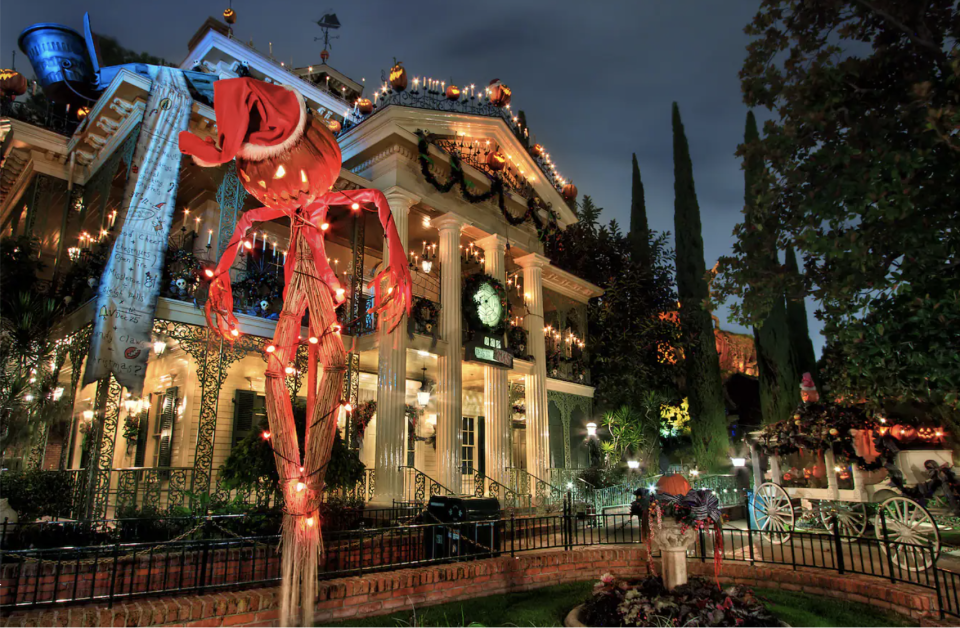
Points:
x=673, y=545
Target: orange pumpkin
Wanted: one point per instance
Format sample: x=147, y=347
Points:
x=333, y=125
x=12, y=83
x=299, y=176
x=569, y=192
x=453, y=92
x=230, y=16
x=365, y=106
x=496, y=161
x=398, y=77
x=904, y=433
x=499, y=94
x=674, y=484
x=536, y=150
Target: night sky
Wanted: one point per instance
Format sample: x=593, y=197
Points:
x=596, y=79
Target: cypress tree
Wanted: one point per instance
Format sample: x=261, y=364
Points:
x=701, y=362
x=800, y=343
x=639, y=228
x=779, y=381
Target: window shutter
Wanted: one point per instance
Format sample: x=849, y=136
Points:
x=481, y=463
x=245, y=418
x=143, y=434
x=168, y=415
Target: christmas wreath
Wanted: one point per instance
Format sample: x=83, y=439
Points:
x=517, y=343
x=360, y=418
x=425, y=316
x=476, y=289
x=546, y=230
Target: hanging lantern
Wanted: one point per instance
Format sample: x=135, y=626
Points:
x=12, y=83
x=333, y=124
x=536, y=150
x=398, y=76
x=499, y=94
x=674, y=484
x=569, y=192
x=230, y=16
x=496, y=161
x=365, y=106
x=453, y=92
x=304, y=172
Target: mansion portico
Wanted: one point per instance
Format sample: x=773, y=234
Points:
x=458, y=408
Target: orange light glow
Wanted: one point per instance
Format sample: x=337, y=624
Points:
x=355, y=206
x=271, y=348
x=314, y=340
x=324, y=226
x=266, y=435
x=208, y=273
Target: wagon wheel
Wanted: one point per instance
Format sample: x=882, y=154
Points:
x=851, y=518
x=773, y=512
x=908, y=524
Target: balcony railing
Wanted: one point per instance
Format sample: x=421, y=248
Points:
x=43, y=117
x=483, y=486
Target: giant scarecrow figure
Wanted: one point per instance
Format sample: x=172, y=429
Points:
x=289, y=161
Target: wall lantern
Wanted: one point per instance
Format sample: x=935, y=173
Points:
x=592, y=429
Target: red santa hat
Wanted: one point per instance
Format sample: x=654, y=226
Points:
x=806, y=383
x=255, y=121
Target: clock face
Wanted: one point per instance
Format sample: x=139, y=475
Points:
x=489, y=308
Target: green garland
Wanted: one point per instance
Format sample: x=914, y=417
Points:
x=470, y=286
x=546, y=231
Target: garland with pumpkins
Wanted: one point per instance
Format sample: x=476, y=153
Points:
x=545, y=229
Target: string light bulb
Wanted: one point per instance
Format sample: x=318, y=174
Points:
x=289, y=370
x=336, y=328
x=266, y=435
x=324, y=226
x=300, y=487
x=355, y=206
x=314, y=340
x=271, y=348
x=348, y=407
x=208, y=273
x=309, y=522
x=235, y=332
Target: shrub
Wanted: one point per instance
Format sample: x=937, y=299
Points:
x=35, y=493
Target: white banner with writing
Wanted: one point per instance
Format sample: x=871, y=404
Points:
x=127, y=296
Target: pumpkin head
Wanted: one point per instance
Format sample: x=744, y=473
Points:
x=12, y=83
x=333, y=125
x=569, y=192
x=230, y=16
x=365, y=106
x=453, y=92
x=496, y=161
x=297, y=177
x=398, y=77
x=499, y=94
x=536, y=150
x=674, y=484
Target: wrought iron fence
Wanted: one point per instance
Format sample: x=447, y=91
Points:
x=418, y=487
x=213, y=559
x=45, y=118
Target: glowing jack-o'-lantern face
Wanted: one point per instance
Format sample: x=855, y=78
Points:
x=453, y=92
x=296, y=177
x=398, y=77
x=364, y=106
x=496, y=161
x=500, y=95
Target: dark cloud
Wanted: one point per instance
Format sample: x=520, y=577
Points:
x=596, y=79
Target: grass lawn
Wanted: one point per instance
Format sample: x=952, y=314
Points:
x=548, y=607
x=541, y=607
x=801, y=609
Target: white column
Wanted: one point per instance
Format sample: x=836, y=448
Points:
x=450, y=375
x=392, y=379
x=538, y=434
x=496, y=400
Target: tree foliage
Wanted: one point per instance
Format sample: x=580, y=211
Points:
x=701, y=362
x=639, y=226
x=863, y=178
x=779, y=393
x=627, y=335
x=800, y=344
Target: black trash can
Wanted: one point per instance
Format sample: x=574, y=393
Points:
x=475, y=531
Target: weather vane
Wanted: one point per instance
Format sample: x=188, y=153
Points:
x=326, y=23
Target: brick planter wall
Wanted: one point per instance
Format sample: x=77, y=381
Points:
x=377, y=594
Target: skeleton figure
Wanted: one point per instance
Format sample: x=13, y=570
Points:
x=289, y=161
